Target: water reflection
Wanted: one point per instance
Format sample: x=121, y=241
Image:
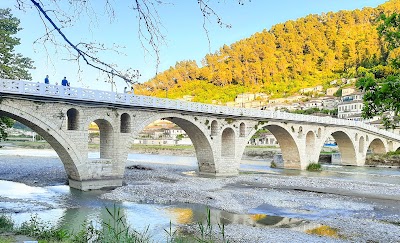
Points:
x=181, y=215
x=324, y=230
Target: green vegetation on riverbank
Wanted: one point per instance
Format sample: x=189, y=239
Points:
x=114, y=230
x=314, y=167
x=389, y=159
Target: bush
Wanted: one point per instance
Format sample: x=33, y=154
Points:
x=314, y=167
x=6, y=239
x=42, y=230
x=273, y=164
x=393, y=153
x=6, y=224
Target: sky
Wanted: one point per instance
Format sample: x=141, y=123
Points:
x=182, y=26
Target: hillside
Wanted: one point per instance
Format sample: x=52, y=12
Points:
x=292, y=55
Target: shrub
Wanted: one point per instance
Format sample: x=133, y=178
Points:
x=6, y=239
x=393, y=153
x=314, y=167
x=273, y=164
x=42, y=230
x=6, y=224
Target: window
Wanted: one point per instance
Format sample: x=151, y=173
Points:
x=72, y=119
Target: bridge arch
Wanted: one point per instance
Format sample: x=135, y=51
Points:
x=310, y=142
x=377, y=146
x=346, y=147
x=228, y=143
x=242, y=129
x=53, y=134
x=361, y=145
x=214, y=128
x=106, y=138
x=390, y=146
x=288, y=146
x=125, y=123
x=319, y=132
x=300, y=133
x=72, y=119
x=196, y=131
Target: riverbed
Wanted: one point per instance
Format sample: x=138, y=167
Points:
x=259, y=205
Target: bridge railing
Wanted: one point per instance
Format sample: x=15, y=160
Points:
x=72, y=93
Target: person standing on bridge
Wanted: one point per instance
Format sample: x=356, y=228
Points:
x=64, y=82
x=46, y=80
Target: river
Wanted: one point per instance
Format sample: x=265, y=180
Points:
x=70, y=208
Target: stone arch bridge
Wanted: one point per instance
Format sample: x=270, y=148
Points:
x=62, y=115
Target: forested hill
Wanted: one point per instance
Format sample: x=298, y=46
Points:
x=296, y=54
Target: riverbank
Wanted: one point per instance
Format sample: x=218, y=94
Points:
x=255, y=152
x=389, y=160
x=355, y=211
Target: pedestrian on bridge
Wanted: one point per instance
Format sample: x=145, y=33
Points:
x=65, y=82
x=46, y=80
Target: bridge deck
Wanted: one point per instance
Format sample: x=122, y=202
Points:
x=46, y=92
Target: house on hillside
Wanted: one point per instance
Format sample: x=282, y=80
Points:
x=313, y=103
x=350, y=106
x=348, y=91
x=331, y=91
x=249, y=100
x=187, y=98
x=330, y=103
x=315, y=89
x=296, y=98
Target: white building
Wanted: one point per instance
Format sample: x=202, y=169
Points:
x=350, y=106
x=330, y=103
x=266, y=139
x=348, y=91
x=314, y=103
x=331, y=91
x=173, y=132
x=315, y=89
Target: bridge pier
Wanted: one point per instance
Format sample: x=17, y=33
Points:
x=94, y=184
x=108, y=170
